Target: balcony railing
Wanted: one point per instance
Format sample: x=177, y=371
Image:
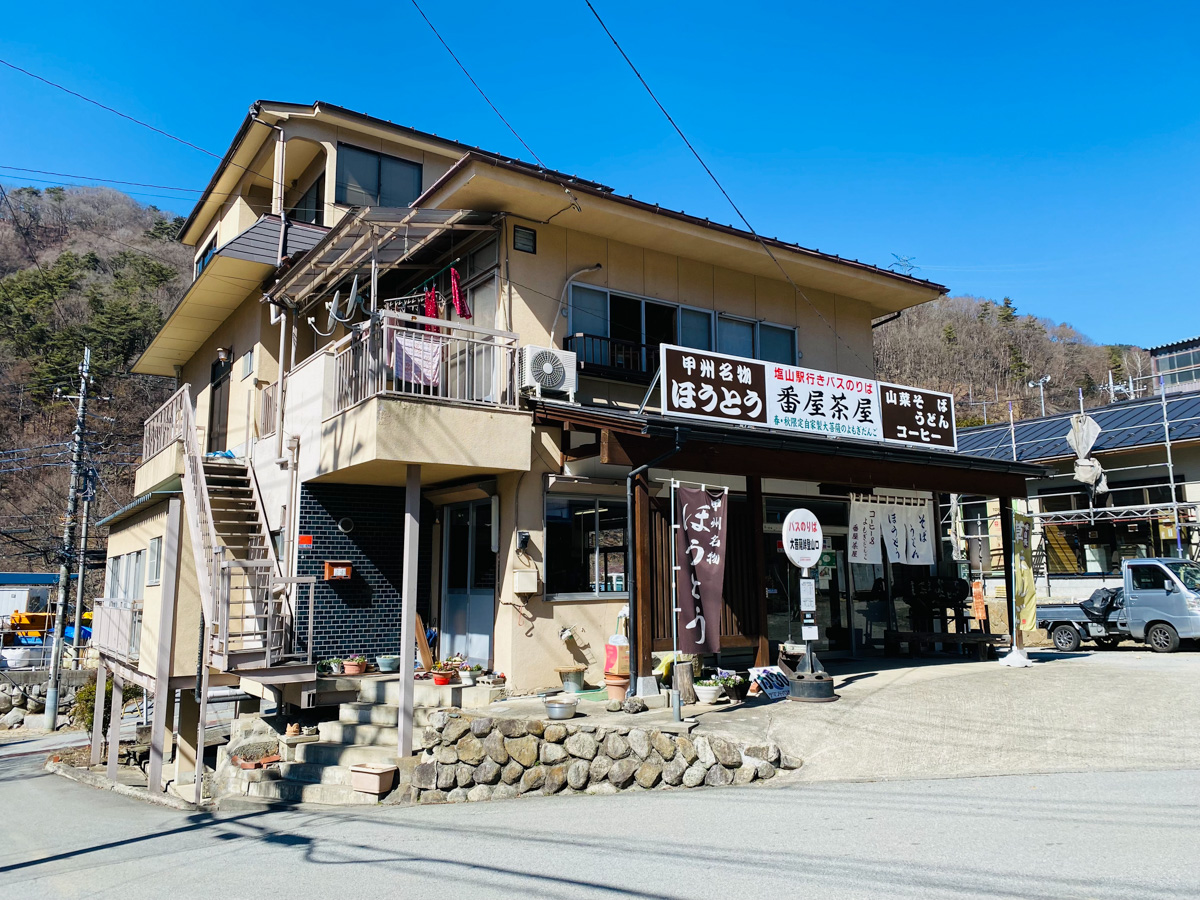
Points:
x=117, y=628
x=605, y=357
x=165, y=425
x=415, y=356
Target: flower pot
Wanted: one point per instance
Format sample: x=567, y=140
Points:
x=388, y=663
x=369, y=779
x=442, y=678
x=350, y=668
x=737, y=692
x=617, y=685
x=466, y=678
x=572, y=678
x=335, y=669
x=708, y=693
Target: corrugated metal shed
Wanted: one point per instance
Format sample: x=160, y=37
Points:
x=1124, y=426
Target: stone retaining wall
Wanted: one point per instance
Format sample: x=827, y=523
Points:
x=481, y=758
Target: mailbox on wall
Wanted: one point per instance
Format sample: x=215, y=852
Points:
x=338, y=570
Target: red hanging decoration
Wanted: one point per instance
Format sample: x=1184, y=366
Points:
x=460, y=303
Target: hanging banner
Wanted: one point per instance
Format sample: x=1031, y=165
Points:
x=717, y=387
x=895, y=534
x=918, y=526
x=1024, y=586
x=700, y=556
x=866, y=522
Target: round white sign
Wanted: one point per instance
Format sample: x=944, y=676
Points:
x=802, y=538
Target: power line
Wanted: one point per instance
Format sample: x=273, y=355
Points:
x=27, y=179
x=106, y=108
x=721, y=188
x=476, y=85
x=161, y=187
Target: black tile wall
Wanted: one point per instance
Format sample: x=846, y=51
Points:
x=362, y=614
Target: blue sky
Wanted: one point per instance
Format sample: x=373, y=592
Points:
x=1047, y=152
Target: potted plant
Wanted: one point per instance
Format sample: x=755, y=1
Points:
x=735, y=686
x=467, y=673
x=334, y=666
x=708, y=690
x=355, y=665
x=389, y=662
x=445, y=670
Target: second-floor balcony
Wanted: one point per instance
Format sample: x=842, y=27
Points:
x=117, y=628
x=613, y=358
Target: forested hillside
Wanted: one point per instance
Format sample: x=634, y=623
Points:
x=980, y=349
x=77, y=266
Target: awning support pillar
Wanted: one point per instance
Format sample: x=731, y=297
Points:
x=408, y=611
x=754, y=497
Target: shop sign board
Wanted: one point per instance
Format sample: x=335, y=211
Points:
x=917, y=418
x=735, y=390
x=772, y=681
x=802, y=538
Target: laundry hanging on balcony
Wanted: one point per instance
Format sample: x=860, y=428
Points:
x=418, y=359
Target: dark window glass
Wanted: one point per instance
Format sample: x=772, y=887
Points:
x=585, y=545
x=1148, y=578
x=735, y=337
x=777, y=344
x=372, y=179
x=310, y=207
x=458, y=548
x=484, y=576
x=695, y=329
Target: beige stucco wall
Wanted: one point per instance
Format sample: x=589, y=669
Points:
x=538, y=280
x=162, y=467
x=135, y=533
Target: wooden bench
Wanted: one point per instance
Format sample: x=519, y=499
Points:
x=982, y=641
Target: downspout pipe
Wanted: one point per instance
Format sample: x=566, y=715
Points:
x=630, y=568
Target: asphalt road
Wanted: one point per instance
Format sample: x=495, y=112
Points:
x=1095, y=835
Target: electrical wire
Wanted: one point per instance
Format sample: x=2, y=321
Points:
x=161, y=187
x=870, y=365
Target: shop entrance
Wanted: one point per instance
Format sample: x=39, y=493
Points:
x=469, y=579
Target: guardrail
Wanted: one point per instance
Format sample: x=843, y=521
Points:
x=268, y=406
x=416, y=356
x=256, y=618
x=607, y=357
x=117, y=628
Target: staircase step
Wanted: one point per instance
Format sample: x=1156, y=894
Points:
x=302, y=792
x=327, y=753
x=381, y=714
x=354, y=733
x=310, y=773
x=426, y=693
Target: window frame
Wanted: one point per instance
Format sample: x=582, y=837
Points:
x=714, y=317
x=205, y=256
x=339, y=196
x=596, y=499
x=154, y=562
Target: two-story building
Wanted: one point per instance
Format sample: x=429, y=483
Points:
x=417, y=378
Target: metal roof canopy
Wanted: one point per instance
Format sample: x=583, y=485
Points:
x=1124, y=426
x=391, y=236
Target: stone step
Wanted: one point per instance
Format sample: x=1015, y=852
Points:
x=304, y=792
x=333, y=754
x=347, y=733
x=310, y=773
x=426, y=693
x=358, y=713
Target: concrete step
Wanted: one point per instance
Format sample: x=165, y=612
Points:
x=303, y=792
x=325, y=753
x=358, y=713
x=314, y=774
x=426, y=693
x=347, y=733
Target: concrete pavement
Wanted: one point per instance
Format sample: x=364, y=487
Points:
x=1090, y=711
x=1094, y=835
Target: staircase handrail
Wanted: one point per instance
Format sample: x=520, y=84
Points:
x=200, y=522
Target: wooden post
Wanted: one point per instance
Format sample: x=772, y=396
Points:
x=682, y=678
x=408, y=611
x=754, y=497
x=114, y=725
x=166, y=645
x=98, y=712
x=645, y=585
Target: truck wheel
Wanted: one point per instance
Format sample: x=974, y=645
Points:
x=1107, y=643
x=1065, y=638
x=1162, y=638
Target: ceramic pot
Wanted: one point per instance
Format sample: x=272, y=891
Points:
x=617, y=685
x=708, y=693
x=350, y=668
x=466, y=677
x=388, y=663
x=442, y=678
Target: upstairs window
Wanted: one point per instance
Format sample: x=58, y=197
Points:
x=206, y=255
x=365, y=178
x=310, y=207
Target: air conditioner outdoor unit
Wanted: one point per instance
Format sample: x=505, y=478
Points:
x=546, y=369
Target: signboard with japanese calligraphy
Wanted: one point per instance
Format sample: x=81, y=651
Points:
x=917, y=418
x=700, y=517
x=701, y=384
x=822, y=403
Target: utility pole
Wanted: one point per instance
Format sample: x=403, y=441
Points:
x=89, y=490
x=68, y=544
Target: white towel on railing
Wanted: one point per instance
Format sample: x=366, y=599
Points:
x=418, y=360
